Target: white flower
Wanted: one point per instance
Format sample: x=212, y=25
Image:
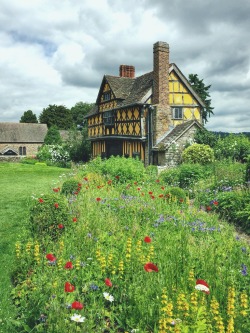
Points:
x=108, y=297
x=77, y=318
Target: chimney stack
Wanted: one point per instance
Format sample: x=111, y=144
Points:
x=127, y=71
x=161, y=90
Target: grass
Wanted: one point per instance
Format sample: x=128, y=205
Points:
x=18, y=182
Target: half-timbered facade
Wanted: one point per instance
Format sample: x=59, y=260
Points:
x=135, y=116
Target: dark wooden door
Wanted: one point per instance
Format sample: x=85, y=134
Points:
x=114, y=148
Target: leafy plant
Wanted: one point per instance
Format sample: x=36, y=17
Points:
x=70, y=186
x=49, y=216
x=198, y=153
x=233, y=147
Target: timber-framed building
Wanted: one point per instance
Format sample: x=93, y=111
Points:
x=152, y=116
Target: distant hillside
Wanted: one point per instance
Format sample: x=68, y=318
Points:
x=223, y=134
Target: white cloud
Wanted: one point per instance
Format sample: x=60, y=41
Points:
x=56, y=52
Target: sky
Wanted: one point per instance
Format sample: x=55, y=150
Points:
x=57, y=51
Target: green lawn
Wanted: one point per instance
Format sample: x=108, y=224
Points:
x=18, y=183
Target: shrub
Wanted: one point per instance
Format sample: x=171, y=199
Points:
x=189, y=174
x=198, y=153
x=203, y=136
x=247, y=175
x=124, y=169
x=47, y=216
x=233, y=147
x=54, y=154
x=170, y=176
x=70, y=186
x=234, y=207
x=176, y=193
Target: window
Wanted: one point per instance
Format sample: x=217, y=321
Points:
x=107, y=96
x=108, y=118
x=22, y=150
x=177, y=113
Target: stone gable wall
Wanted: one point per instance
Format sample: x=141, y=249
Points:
x=172, y=155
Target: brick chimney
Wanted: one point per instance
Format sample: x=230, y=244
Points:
x=161, y=90
x=127, y=71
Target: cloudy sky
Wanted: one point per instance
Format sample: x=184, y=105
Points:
x=57, y=51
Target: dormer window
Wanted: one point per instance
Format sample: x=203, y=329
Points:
x=108, y=118
x=177, y=113
x=107, y=96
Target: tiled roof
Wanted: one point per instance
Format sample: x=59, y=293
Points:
x=22, y=132
x=174, y=133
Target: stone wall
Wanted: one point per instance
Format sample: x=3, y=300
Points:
x=172, y=155
x=31, y=148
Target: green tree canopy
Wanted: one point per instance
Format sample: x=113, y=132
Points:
x=57, y=115
x=28, y=117
x=203, y=91
x=79, y=111
x=53, y=136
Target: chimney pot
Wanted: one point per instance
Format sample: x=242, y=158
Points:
x=127, y=71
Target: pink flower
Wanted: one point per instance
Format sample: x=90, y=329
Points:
x=147, y=239
x=68, y=265
x=108, y=282
x=150, y=267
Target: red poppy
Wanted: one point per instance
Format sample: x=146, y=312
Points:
x=117, y=177
x=108, y=282
x=77, y=305
x=79, y=185
x=56, y=189
x=150, y=267
x=98, y=199
x=150, y=192
x=76, y=192
x=74, y=219
x=60, y=226
x=135, y=183
x=51, y=257
x=109, y=182
x=68, y=265
x=41, y=200
x=86, y=179
x=152, y=197
x=157, y=180
x=208, y=208
x=56, y=205
x=160, y=195
x=68, y=287
x=181, y=200
x=138, y=188
x=163, y=188
x=215, y=203
x=147, y=239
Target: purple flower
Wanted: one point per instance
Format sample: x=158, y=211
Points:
x=244, y=270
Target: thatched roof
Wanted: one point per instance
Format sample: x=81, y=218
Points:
x=22, y=132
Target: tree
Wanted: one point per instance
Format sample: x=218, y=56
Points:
x=78, y=146
x=79, y=111
x=203, y=91
x=53, y=136
x=28, y=117
x=57, y=115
